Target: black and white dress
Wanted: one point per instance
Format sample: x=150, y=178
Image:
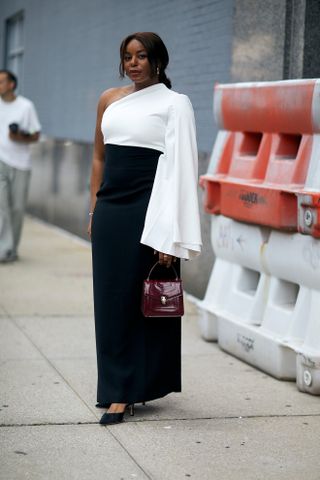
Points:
x=147, y=200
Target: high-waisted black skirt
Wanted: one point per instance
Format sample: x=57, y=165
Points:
x=138, y=358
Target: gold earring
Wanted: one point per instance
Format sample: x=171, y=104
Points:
x=158, y=70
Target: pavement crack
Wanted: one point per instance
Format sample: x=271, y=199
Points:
x=45, y=424
x=127, y=451
x=161, y=420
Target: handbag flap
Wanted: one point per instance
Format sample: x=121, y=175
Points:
x=157, y=288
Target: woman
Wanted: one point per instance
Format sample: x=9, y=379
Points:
x=143, y=208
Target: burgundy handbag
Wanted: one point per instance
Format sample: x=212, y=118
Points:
x=162, y=298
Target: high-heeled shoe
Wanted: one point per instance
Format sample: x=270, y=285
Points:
x=115, y=417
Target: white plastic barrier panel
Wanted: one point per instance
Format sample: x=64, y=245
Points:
x=238, y=282
x=263, y=301
x=295, y=258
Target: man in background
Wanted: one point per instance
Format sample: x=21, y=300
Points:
x=19, y=126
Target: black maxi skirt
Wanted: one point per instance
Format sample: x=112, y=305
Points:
x=138, y=358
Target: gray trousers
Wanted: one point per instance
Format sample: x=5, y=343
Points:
x=14, y=185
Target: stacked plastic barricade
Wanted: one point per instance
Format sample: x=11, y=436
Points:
x=262, y=188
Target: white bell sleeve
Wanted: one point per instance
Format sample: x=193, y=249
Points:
x=172, y=223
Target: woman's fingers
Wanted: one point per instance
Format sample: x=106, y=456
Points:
x=165, y=259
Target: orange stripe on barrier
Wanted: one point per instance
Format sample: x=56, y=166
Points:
x=267, y=107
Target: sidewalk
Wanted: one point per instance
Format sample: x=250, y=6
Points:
x=230, y=422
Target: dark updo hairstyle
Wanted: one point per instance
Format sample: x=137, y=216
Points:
x=157, y=54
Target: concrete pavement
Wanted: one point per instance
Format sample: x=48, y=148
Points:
x=230, y=422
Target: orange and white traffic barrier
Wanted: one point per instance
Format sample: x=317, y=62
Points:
x=263, y=191
x=267, y=149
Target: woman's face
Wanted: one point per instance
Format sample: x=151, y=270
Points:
x=136, y=64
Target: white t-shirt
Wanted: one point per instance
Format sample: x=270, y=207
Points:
x=22, y=112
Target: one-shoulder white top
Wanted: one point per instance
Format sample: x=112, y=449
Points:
x=159, y=118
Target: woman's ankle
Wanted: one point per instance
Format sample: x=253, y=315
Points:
x=117, y=407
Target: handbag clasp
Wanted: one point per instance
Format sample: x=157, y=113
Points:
x=163, y=299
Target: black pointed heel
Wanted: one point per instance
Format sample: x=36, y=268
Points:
x=112, y=418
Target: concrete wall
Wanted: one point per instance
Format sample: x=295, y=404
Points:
x=258, y=40
x=59, y=190
x=275, y=39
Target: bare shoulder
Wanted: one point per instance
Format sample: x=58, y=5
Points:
x=112, y=94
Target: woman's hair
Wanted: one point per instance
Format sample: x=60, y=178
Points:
x=157, y=54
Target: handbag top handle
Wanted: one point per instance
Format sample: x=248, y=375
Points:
x=171, y=266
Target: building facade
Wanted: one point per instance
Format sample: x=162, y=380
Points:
x=66, y=53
